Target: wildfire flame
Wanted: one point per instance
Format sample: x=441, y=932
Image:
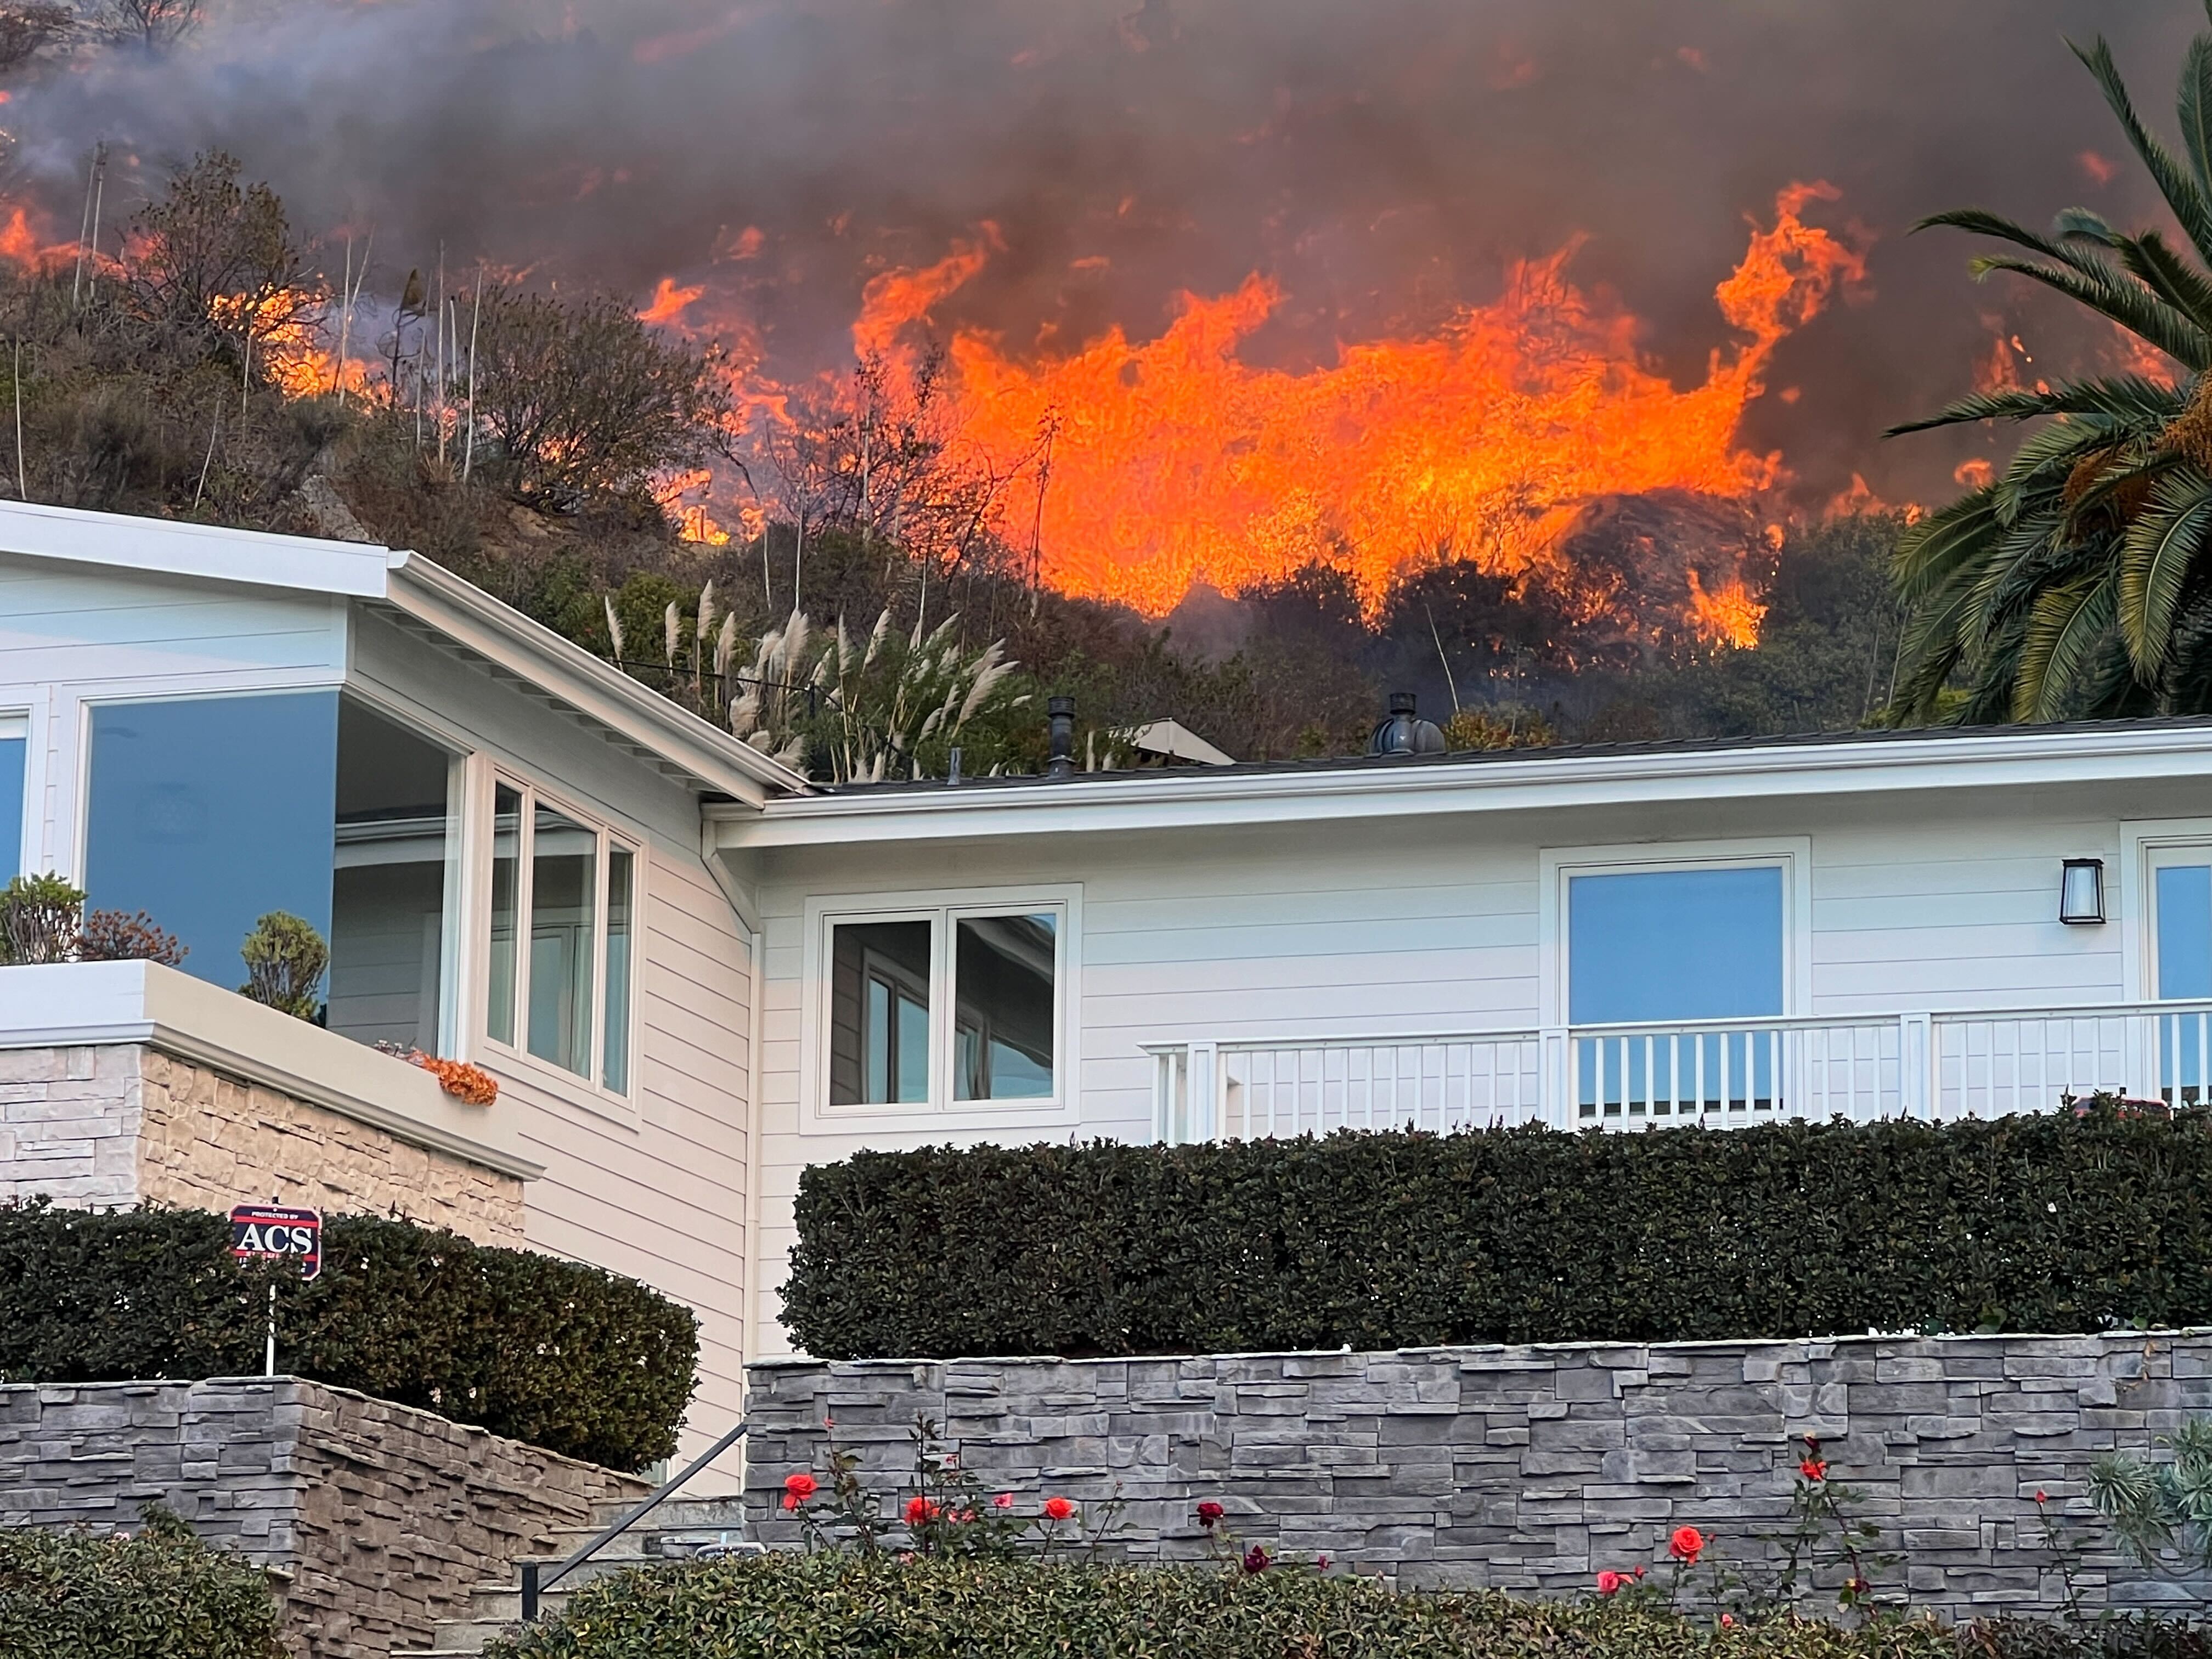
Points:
x=1172, y=461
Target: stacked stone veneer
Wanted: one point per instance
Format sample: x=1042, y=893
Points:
x=126, y=1123
x=378, y=1517
x=1531, y=1468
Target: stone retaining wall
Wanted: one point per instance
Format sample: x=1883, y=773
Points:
x=126, y=1123
x=1531, y=1468
x=383, y=1516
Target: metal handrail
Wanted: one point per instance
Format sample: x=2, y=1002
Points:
x=534, y=1585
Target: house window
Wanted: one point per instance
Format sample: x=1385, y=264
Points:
x=1666, y=946
x=952, y=1005
x=208, y=813
x=390, y=889
x=2182, y=880
x=15, y=750
x=561, y=952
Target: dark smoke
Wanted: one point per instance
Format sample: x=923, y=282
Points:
x=1383, y=160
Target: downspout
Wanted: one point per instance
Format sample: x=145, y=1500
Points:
x=746, y=910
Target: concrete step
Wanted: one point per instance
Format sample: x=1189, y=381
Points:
x=681, y=1528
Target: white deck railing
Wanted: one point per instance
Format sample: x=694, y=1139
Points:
x=1720, y=1074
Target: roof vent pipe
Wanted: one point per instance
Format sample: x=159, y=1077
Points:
x=1403, y=733
x=1060, y=719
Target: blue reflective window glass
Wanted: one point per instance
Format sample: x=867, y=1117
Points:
x=208, y=813
x=12, y=755
x=1666, y=944
x=2184, y=931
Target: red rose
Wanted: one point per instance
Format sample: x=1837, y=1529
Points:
x=1609, y=1582
x=1728, y=1620
x=1058, y=1509
x=790, y=1502
x=1813, y=1469
x=1685, y=1544
x=1255, y=1559
x=919, y=1510
x=1003, y=1502
x=1320, y=1563
x=1209, y=1513
x=798, y=1487
x=2041, y=1497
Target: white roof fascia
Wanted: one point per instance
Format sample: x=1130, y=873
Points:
x=1137, y=800
x=212, y=552
x=465, y=613
x=418, y=588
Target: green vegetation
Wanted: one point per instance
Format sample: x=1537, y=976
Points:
x=160, y=1594
x=2051, y=1222
x=559, y=1354
x=285, y=961
x=2076, y=583
x=834, y=1606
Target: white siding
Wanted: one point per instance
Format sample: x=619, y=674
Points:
x=657, y=1190
x=1434, y=924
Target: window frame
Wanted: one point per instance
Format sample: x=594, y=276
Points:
x=943, y=909
x=15, y=725
x=516, y=1057
x=2145, y=846
x=1791, y=854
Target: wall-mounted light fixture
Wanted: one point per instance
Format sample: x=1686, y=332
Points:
x=2082, y=892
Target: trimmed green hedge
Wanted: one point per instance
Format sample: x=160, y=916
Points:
x=2047, y=1223
x=161, y=1594
x=838, y=1607
x=558, y=1353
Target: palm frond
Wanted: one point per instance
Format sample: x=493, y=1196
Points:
x=1930, y=551
x=2161, y=549
x=2063, y=633
x=2190, y=202
x=2195, y=111
x=2110, y=295
x=2135, y=400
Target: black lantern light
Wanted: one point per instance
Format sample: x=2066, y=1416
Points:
x=2082, y=892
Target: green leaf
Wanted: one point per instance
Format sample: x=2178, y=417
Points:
x=2162, y=551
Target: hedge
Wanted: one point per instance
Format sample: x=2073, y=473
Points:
x=558, y=1353
x=2055, y=1221
x=837, y=1606
x=161, y=1594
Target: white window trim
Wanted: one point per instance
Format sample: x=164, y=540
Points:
x=2141, y=843
x=1557, y=865
x=949, y=905
x=14, y=723
x=514, y=1060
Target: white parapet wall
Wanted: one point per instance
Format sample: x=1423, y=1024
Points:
x=125, y=1083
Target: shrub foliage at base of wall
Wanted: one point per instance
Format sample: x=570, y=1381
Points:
x=839, y=1607
x=2054, y=1222
x=160, y=1594
x=557, y=1353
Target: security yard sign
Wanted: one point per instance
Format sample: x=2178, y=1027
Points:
x=261, y=1232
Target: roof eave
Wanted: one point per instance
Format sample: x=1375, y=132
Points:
x=1192, y=800
x=714, y=759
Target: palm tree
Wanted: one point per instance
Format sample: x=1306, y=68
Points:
x=2078, y=583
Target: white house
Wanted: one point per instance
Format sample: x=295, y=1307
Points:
x=730, y=973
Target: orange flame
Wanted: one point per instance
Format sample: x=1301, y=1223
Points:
x=1172, y=461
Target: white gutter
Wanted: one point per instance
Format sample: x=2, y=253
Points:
x=1189, y=800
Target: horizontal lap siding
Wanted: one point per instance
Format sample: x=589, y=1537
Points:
x=658, y=1189
x=1960, y=914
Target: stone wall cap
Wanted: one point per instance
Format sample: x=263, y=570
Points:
x=1706, y=1345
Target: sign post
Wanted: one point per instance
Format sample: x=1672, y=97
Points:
x=276, y=1232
